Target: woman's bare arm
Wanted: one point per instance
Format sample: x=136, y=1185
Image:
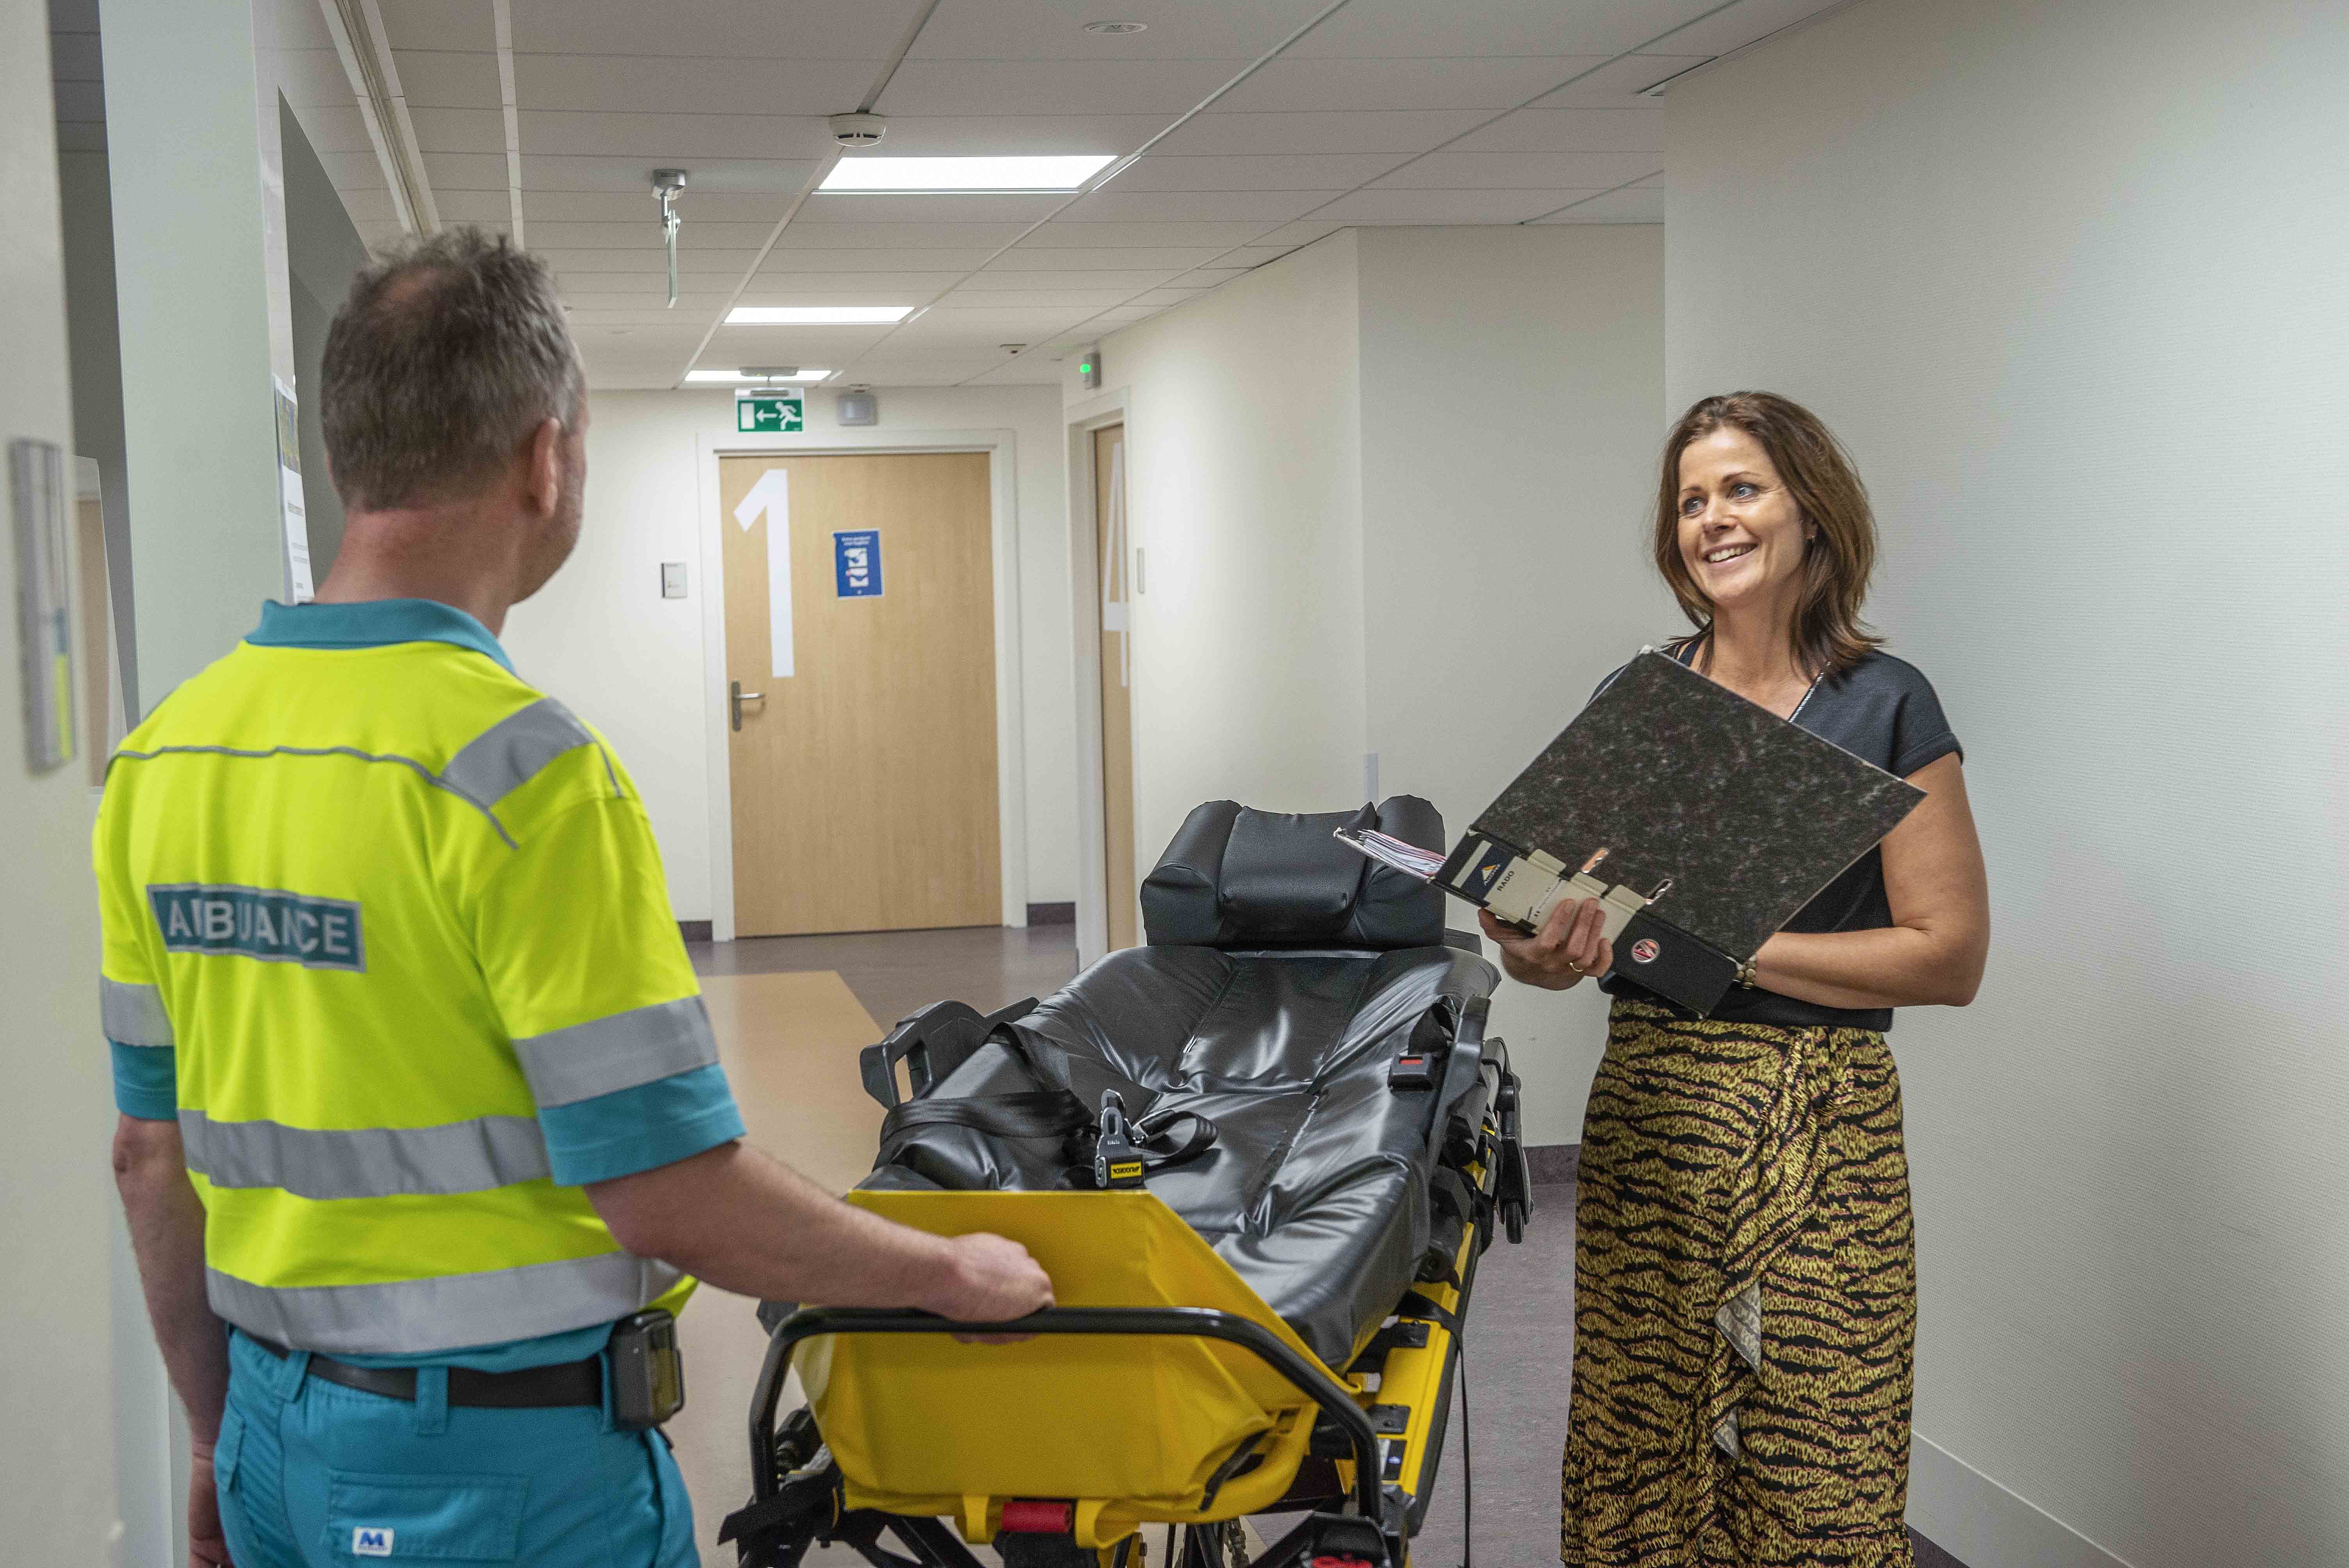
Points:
x=1934, y=950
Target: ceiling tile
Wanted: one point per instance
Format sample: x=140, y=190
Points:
x=1075, y=297
x=464, y=207
x=696, y=206
x=728, y=265
x=438, y=78
x=1400, y=130
x=460, y=171
x=869, y=29
x=966, y=135
x=1741, y=25
x=645, y=232
x=458, y=129
x=893, y=259
x=374, y=206
x=1617, y=86
x=1063, y=259
x=880, y=208
x=1254, y=172
x=1637, y=204
x=1375, y=29
x=791, y=344
x=728, y=85
x=1064, y=234
x=564, y=171
x=1521, y=172
x=1206, y=278
x=653, y=139
x=438, y=25
x=1301, y=234
x=1119, y=205
x=349, y=169
x=895, y=236
x=1639, y=130
x=1015, y=87
x=1131, y=283
x=1248, y=256
x=1493, y=82
x=1162, y=296
x=1447, y=206
x=1055, y=30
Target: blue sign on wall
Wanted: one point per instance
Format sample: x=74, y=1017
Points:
x=856, y=563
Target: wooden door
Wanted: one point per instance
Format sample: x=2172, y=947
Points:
x=1114, y=551
x=863, y=767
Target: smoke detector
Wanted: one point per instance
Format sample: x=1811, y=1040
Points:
x=1012, y=347
x=854, y=130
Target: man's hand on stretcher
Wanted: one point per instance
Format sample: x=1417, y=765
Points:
x=1568, y=950
x=752, y=1225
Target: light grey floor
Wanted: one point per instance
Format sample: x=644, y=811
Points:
x=1520, y=1338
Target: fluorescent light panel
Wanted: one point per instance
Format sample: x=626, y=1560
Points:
x=816, y=315
x=744, y=378
x=1058, y=171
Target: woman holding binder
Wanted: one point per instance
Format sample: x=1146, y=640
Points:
x=1746, y=1299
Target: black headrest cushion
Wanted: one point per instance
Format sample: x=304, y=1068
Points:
x=1240, y=878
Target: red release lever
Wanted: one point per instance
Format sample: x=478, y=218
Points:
x=1340, y=1563
x=1038, y=1516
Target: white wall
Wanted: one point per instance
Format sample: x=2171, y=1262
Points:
x=1242, y=444
x=57, y=1457
x=602, y=638
x=2068, y=278
x=1343, y=465
x=1512, y=379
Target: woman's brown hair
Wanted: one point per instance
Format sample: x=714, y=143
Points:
x=1819, y=474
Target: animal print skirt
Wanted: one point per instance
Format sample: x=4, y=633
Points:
x=1745, y=1301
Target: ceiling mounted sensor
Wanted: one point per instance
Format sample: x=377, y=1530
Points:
x=1117, y=29
x=1012, y=347
x=666, y=184
x=857, y=405
x=858, y=130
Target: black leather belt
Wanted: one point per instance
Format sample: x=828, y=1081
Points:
x=531, y=1388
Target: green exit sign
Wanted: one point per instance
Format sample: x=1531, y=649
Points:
x=774, y=409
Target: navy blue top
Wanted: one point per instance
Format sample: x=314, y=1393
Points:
x=1881, y=710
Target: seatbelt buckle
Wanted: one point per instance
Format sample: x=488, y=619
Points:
x=1413, y=1070
x=1117, y=1158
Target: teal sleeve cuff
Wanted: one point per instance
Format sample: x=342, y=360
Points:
x=640, y=1128
x=146, y=1081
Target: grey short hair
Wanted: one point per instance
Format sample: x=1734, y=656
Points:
x=451, y=350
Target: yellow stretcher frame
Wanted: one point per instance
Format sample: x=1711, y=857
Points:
x=1129, y=1424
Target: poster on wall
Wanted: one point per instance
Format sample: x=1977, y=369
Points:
x=856, y=563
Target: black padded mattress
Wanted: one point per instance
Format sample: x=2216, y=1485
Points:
x=1317, y=1188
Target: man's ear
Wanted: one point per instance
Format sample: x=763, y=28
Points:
x=543, y=485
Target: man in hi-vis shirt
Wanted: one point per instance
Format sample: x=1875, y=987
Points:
x=423, y=1132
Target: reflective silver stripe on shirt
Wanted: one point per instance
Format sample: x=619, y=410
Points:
x=606, y=1054
x=473, y=1156
x=410, y=1317
x=132, y=1015
x=512, y=752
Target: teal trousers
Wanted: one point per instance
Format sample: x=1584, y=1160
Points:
x=312, y=1474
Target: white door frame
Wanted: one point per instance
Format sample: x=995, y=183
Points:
x=1010, y=729
x=1085, y=575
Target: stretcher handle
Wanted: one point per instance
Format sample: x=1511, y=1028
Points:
x=1175, y=1322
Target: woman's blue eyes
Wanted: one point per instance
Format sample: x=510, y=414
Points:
x=1741, y=491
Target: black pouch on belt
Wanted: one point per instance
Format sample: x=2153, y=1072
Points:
x=648, y=1372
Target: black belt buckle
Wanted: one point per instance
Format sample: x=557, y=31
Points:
x=647, y=1371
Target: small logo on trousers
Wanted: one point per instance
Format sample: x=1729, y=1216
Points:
x=370, y=1541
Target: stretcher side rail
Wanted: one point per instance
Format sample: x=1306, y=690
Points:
x=1192, y=1321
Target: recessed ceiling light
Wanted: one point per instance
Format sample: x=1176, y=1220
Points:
x=815, y=314
x=1056, y=171
x=1117, y=28
x=747, y=377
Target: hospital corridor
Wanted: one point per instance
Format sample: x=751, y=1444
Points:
x=1174, y=783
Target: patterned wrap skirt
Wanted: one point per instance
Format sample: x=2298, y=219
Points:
x=1745, y=1301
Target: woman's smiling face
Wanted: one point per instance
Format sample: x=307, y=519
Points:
x=1741, y=532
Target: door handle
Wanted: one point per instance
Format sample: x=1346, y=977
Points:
x=736, y=697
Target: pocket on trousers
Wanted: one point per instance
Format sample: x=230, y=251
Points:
x=424, y=1518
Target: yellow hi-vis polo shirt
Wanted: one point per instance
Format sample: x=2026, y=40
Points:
x=386, y=931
